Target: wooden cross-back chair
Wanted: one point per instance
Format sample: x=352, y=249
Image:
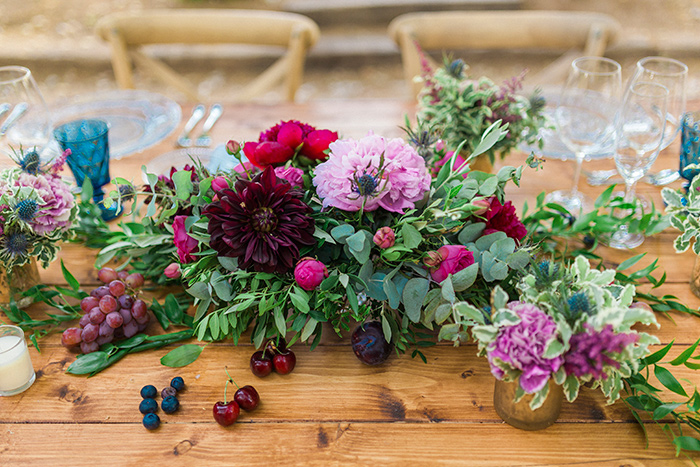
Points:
x=578, y=33
x=128, y=32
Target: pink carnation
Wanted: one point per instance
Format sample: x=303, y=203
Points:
x=522, y=346
x=56, y=202
x=374, y=172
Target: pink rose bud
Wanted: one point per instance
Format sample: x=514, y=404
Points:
x=433, y=259
x=483, y=204
x=454, y=259
x=384, y=238
x=219, y=183
x=233, y=147
x=309, y=273
x=172, y=271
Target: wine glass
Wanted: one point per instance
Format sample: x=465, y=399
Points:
x=640, y=133
x=585, y=118
x=24, y=117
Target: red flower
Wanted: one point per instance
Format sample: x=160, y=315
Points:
x=453, y=258
x=184, y=243
x=502, y=218
x=317, y=142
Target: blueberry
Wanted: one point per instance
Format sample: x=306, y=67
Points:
x=149, y=392
x=151, y=421
x=170, y=404
x=169, y=391
x=148, y=405
x=178, y=383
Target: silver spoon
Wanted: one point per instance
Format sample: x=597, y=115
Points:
x=204, y=140
x=184, y=140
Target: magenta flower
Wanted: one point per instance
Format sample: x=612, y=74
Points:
x=185, y=244
x=384, y=238
x=522, y=346
x=56, y=202
x=219, y=183
x=292, y=175
x=371, y=173
x=449, y=260
x=309, y=273
x=502, y=218
x=591, y=351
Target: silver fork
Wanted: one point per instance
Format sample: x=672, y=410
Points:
x=204, y=140
x=184, y=140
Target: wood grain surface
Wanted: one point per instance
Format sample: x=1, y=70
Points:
x=331, y=410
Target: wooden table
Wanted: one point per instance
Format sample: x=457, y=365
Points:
x=332, y=410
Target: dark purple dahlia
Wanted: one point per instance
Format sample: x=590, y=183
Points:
x=261, y=222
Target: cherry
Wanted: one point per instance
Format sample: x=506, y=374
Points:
x=226, y=414
x=284, y=363
x=260, y=364
x=369, y=344
x=247, y=398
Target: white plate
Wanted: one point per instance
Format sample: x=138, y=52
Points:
x=554, y=147
x=137, y=119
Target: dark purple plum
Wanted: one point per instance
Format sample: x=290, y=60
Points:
x=369, y=344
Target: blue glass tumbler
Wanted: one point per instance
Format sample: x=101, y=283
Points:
x=89, y=146
x=690, y=145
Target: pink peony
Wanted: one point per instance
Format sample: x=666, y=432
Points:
x=184, y=243
x=371, y=173
x=521, y=346
x=172, y=271
x=384, y=238
x=502, y=218
x=56, y=202
x=292, y=175
x=451, y=259
x=309, y=273
x=219, y=183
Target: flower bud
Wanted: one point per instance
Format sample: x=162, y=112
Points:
x=309, y=273
x=219, y=183
x=172, y=271
x=433, y=259
x=233, y=147
x=440, y=146
x=384, y=238
x=483, y=204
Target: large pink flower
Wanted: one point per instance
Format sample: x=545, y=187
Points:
x=185, y=244
x=56, y=205
x=370, y=173
x=452, y=259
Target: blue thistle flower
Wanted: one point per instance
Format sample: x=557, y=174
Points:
x=578, y=304
x=30, y=162
x=26, y=209
x=366, y=185
x=16, y=244
x=456, y=68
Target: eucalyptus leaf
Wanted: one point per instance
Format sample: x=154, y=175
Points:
x=414, y=293
x=181, y=356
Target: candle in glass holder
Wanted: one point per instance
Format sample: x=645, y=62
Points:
x=16, y=371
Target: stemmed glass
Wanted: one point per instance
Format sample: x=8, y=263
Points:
x=640, y=134
x=24, y=117
x=585, y=118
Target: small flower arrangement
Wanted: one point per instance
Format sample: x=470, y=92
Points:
x=684, y=210
x=572, y=325
x=462, y=108
x=37, y=210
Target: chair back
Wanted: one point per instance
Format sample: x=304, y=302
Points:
x=128, y=32
x=500, y=30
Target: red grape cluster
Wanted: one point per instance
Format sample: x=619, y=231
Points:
x=112, y=311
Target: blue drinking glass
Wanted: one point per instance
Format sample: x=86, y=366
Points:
x=89, y=158
x=690, y=145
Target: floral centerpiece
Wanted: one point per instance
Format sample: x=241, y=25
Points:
x=462, y=108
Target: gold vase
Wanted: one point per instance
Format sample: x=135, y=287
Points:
x=18, y=280
x=519, y=414
x=695, y=278
x=481, y=163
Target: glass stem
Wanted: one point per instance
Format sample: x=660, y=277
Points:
x=577, y=172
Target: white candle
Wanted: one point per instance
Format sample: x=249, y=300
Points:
x=16, y=371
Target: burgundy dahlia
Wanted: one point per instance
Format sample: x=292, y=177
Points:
x=261, y=222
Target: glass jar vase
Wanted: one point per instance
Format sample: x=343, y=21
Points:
x=18, y=280
x=519, y=414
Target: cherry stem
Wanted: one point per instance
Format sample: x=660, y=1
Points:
x=229, y=377
x=226, y=387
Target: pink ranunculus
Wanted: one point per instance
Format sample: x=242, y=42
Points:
x=384, y=238
x=172, y=271
x=219, y=183
x=454, y=259
x=309, y=273
x=316, y=144
x=184, y=243
x=502, y=218
x=292, y=175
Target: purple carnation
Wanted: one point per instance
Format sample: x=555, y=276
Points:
x=522, y=346
x=372, y=172
x=591, y=351
x=56, y=202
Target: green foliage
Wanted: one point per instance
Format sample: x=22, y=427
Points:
x=684, y=211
